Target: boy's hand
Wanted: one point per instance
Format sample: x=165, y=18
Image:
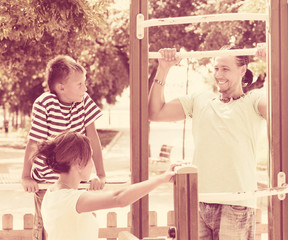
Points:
x=29, y=185
x=97, y=183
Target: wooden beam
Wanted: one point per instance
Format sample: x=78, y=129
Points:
x=138, y=116
x=186, y=203
x=278, y=113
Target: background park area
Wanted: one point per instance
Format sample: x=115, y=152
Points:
x=96, y=34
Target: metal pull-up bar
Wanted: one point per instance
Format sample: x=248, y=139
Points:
x=141, y=23
x=214, y=53
x=44, y=186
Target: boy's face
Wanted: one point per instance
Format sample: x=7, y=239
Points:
x=73, y=89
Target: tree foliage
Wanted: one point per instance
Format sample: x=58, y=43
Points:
x=204, y=36
x=32, y=32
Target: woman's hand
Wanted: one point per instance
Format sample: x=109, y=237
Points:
x=261, y=51
x=168, y=176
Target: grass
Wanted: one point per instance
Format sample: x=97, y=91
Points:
x=106, y=136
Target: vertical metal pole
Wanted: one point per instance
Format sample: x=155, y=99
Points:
x=139, y=116
x=278, y=113
x=186, y=203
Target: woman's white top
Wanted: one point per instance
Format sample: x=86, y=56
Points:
x=62, y=221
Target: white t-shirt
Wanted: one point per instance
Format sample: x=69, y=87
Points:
x=225, y=137
x=62, y=221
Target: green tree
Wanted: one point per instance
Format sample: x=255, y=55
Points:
x=33, y=32
x=204, y=36
x=178, y=36
x=112, y=58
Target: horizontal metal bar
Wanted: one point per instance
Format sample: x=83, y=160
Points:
x=213, y=53
x=206, y=18
x=18, y=186
x=240, y=196
x=142, y=23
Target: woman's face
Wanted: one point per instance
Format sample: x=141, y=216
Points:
x=227, y=74
x=85, y=172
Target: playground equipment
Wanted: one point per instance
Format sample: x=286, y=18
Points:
x=277, y=38
x=182, y=223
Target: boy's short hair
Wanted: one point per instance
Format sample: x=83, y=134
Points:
x=59, y=68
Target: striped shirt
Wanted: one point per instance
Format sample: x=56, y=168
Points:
x=51, y=117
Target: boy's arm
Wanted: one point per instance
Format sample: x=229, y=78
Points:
x=28, y=183
x=97, y=158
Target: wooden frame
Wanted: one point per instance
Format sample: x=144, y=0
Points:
x=186, y=203
x=278, y=113
x=138, y=116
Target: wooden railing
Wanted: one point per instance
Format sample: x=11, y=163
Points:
x=111, y=231
x=183, y=220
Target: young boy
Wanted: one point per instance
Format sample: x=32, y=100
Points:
x=66, y=107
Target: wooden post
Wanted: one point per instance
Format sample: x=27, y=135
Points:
x=126, y=236
x=278, y=113
x=139, y=116
x=186, y=203
x=7, y=222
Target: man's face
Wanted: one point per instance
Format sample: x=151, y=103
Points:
x=74, y=87
x=227, y=74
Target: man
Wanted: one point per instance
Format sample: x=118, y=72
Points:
x=225, y=128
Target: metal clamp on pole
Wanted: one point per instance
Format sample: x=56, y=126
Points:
x=281, y=182
x=140, y=26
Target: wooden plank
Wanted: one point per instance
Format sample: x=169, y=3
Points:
x=126, y=236
x=111, y=222
x=186, y=203
x=278, y=75
x=171, y=219
x=152, y=218
x=159, y=231
x=193, y=207
x=16, y=235
x=7, y=222
x=111, y=232
x=284, y=105
x=181, y=206
x=138, y=117
x=28, y=221
x=144, y=128
x=274, y=118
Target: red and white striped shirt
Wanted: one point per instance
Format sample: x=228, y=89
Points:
x=51, y=117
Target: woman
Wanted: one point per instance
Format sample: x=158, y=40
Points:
x=66, y=210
